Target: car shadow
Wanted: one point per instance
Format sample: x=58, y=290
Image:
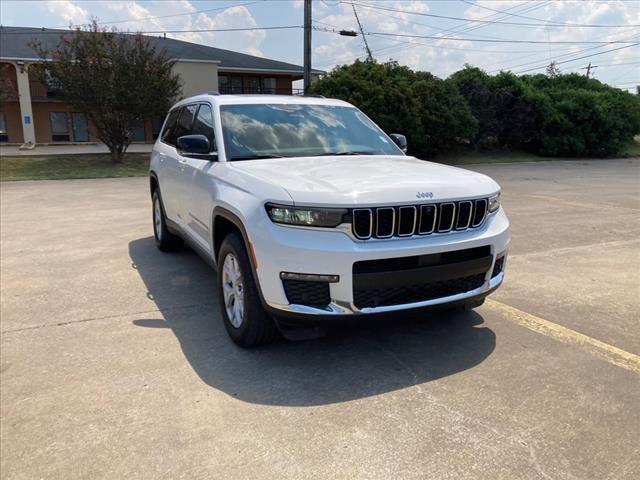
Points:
x=347, y=364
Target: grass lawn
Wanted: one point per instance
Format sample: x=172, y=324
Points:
x=468, y=157
x=58, y=167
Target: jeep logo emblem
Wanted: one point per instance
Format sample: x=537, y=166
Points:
x=424, y=195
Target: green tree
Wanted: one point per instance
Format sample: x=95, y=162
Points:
x=508, y=111
x=118, y=79
x=431, y=113
x=584, y=117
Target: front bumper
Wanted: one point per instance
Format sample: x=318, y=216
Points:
x=332, y=252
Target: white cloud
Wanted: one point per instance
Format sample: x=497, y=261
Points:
x=176, y=15
x=67, y=11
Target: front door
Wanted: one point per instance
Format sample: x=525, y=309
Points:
x=80, y=127
x=202, y=188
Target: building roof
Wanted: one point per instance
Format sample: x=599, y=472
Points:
x=14, y=44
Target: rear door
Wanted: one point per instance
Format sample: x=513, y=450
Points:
x=201, y=181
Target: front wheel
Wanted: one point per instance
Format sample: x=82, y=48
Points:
x=244, y=317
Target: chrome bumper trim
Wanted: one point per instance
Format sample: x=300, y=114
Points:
x=341, y=309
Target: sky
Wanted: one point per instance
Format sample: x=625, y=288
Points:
x=490, y=34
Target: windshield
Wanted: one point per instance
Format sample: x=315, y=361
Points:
x=294, y=130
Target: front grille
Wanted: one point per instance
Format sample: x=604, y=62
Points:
x=380, y=297
x=401, y=280
x=408, y=220
x=301, y=292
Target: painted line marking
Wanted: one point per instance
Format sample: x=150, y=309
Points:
x=604, y=351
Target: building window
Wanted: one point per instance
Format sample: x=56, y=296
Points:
x=230, y=84
x=80, y=127
x=269, y=85
x=254, y=84
x=59, y=126
x=50, y=84
x=4, y=137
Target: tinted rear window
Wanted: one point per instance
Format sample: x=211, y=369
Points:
x=167, y=136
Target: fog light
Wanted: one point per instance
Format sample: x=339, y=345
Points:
x=309, y=277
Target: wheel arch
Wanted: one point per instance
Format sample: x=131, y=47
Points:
x=154, y=184
x=223, y=222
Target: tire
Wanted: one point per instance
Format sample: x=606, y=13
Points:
x=246, y=321
x=165, y=240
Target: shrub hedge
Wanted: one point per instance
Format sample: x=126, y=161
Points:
x=566, y=115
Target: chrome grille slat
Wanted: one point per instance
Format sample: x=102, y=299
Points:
x=463, y=223
x=380, y=219
x=423, y=219
x=427, y=226
x=409, y=213
x=444, y=216
x=479, y=212
x=359, y=221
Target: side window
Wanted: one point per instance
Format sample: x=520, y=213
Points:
x=203, y=125
x=167, y=133
x=185, y=121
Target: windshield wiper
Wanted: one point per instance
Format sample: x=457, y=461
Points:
x=255, y=157
x=346, y=152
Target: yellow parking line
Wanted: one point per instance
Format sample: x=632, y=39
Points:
x=609, y=353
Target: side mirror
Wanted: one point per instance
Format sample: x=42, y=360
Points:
x=195, y=144
x=400, y=141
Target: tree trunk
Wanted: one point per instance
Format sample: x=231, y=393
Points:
x=117, y=154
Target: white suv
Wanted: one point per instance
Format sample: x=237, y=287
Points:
x=311, y=213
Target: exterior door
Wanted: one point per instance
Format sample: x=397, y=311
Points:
x=202, y=187
x=169, y=174
x=80, y=127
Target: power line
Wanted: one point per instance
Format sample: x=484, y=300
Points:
x=557, y=57
x=432, y=15
x=618, y=64
x=150, y=32
x=578, y=58
x=560, y=24
x=562, y=42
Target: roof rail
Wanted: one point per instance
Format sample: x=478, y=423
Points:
x=213, y=92
x=315, y=95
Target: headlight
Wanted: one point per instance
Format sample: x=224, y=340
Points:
x=494, y=203
x=310, y=217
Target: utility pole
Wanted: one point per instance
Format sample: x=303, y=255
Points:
x=364, y=38
x=307, y=45
x=588, y=68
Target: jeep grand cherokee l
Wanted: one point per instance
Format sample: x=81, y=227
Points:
x=310, y=212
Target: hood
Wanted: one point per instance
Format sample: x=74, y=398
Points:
x=367, y=180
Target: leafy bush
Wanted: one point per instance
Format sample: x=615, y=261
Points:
x=429, y=111
x=584, y=117
x=566, y=115
x=508, y=111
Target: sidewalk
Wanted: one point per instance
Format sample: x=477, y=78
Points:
x=70, y=149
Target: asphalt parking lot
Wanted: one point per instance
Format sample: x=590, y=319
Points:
x=115, y=363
